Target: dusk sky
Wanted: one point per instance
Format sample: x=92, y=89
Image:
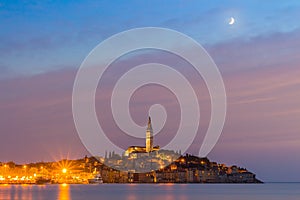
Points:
x=43, y=43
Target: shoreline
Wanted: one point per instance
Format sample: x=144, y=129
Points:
x=1, y=184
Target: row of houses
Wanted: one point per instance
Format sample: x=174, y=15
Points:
x=186, y=169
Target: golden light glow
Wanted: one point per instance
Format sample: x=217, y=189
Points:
x=64, y=192
x=65, y=166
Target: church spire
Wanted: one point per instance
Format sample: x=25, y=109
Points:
x=149, y=136
x=149, y=128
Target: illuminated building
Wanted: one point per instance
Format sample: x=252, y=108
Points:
x=149, y=143
x=149, y=137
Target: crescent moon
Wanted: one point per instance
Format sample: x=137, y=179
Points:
x=231, y=21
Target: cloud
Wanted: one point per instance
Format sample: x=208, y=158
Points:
x=5, y=72
x=273, y=50
x=255, y=100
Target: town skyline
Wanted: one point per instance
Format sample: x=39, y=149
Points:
x=138, y=164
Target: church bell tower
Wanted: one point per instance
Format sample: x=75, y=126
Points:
x=149, y=137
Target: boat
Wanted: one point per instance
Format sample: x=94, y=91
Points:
x=96, y=180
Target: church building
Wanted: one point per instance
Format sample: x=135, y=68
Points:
x=149, y=143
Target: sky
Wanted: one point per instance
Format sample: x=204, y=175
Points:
x=43, y=43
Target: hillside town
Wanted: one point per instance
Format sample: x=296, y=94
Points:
x=186, y=169
x=137, y=164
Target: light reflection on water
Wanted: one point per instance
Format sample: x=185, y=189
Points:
x=16, y=191
x=32, y=192
x=64, y=192
x=153, y=191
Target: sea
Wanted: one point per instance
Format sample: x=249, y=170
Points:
x=267, y=191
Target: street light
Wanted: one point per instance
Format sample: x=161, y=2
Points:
x=64, y=170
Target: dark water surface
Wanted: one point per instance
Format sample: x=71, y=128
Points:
x=268, y=191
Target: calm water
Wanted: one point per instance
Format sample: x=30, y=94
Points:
x=269, y=191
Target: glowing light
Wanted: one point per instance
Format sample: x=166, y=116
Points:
x=65, y=166
x=64, y=192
